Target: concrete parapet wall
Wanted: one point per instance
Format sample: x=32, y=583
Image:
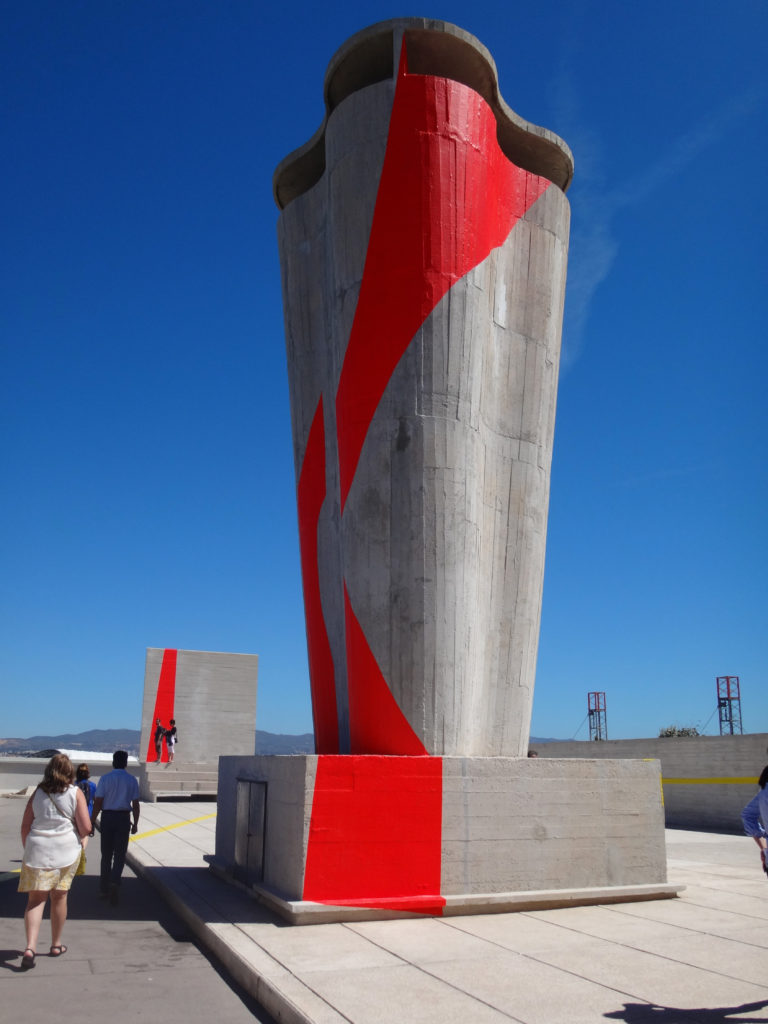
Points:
x=17, y=773
x=707, y=780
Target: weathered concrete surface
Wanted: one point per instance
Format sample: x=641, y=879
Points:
x=513, y=825
x=707, y=780
x=438, y=547
x=283, y=844
x=214, y=704
x=561, y=831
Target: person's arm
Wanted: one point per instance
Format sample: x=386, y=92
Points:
x=82, y=817
x=750, y=818
x=97, y=805
x=26, y=821
x=135, y=809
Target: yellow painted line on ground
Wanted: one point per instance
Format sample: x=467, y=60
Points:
x=8, y=875
x=167, y=828
x=751, y=780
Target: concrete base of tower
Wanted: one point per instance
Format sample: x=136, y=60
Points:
x=349, y=837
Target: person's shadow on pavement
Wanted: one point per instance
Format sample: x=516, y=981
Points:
x=644, y=1013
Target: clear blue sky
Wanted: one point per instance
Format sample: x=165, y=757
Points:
x=147, y=463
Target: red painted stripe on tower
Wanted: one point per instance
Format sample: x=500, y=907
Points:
x=376, y=723
x=447, y=197
x=164, y=700
x=374, y=833
x=310, y=497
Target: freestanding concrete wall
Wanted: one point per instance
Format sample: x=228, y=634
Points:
x=707, y=780
x=423, y=241
x=211, y=695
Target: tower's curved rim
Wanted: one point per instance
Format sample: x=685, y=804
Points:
x=435, y=48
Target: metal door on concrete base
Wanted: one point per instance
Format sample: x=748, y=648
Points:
x=250, y=831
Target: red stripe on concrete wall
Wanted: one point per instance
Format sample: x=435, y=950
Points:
x=164, y=700
x=374, y=834
x=376, y=723
x=447, y=197
x=311, y=495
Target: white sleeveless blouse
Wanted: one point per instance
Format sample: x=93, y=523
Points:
x=53, y=841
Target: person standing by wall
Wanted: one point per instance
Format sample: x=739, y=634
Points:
x=159, y=734
x=117, y=795
x=755, y=818
x=171, y=738
x=54, y=832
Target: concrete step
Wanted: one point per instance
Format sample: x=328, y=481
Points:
x=174, y=781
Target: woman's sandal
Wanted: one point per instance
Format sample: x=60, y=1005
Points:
x=57, y=951
x=28, y=960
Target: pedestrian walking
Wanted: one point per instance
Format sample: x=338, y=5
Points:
x=755, y=818
x=117, y=796
x=54, y=832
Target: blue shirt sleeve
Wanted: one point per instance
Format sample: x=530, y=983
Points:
x=750, y=817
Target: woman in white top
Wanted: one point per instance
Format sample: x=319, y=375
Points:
x=54, y=831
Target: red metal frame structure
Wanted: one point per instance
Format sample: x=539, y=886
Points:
x=729, y=705
x=598, y=726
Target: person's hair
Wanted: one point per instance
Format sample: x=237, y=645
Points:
x=83, y=772
x=58, y=774
x=763, y=780
x=173, y=721
x=533, y=753
x=120, y=759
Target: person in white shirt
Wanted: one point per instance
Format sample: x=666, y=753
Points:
x=117, y=795
x=54, y=832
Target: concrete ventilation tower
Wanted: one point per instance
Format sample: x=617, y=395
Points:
x=729, y=705
x=423, y=239
x=598, y=726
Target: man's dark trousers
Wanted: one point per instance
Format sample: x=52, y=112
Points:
x=115, y=830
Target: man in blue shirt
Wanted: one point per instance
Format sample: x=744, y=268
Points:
x=117, y=795
x=755, y=818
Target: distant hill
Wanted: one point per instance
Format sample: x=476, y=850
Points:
x=128, y=739
x=94, y=739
